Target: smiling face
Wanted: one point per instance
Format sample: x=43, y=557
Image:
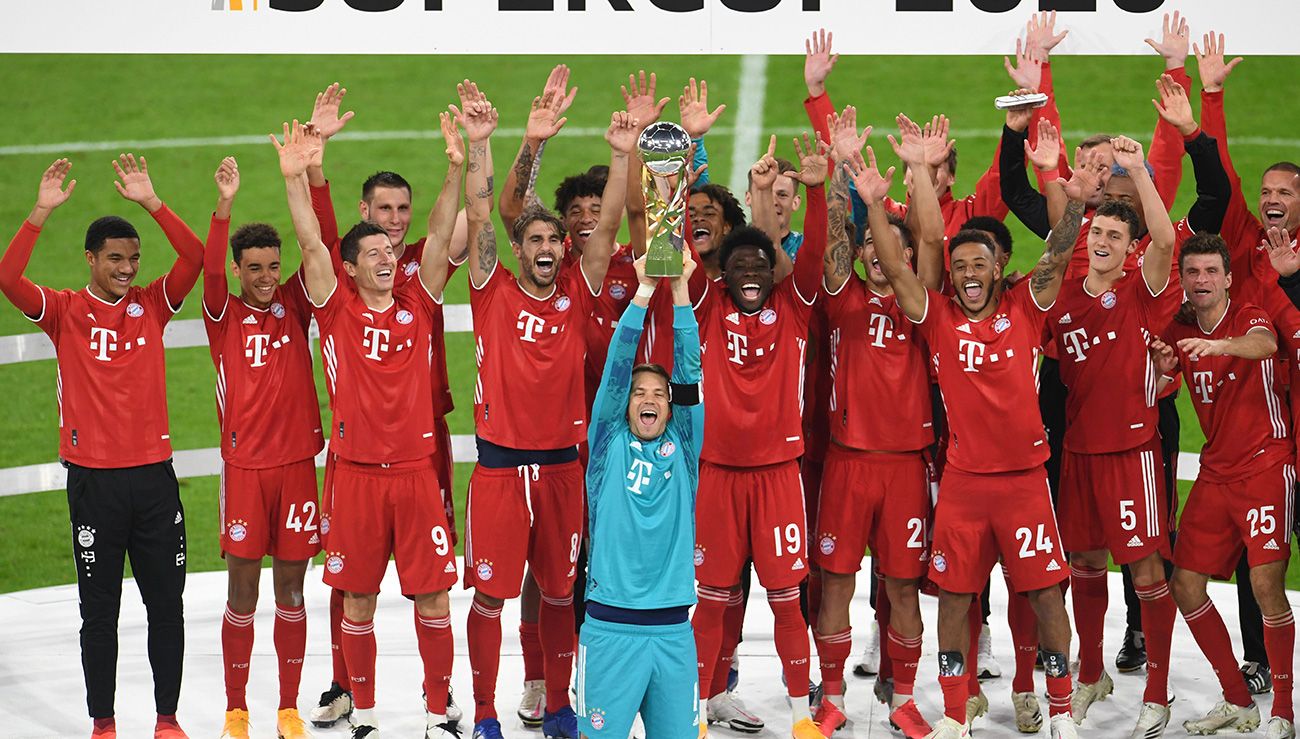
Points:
x=785, y=198
x=258, y=272
x=113, y=268
x=708, y=226
x=375, y=265
x=539, y=251
x=390, y=207
x=1279, y=200
x=580, y=219
x=748, y=274
x=974, y=273
x=1205, y=280
x=867, y=255
x=1109, y=243
x=648, y=409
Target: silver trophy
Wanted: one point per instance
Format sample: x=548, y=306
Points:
x=665, y=149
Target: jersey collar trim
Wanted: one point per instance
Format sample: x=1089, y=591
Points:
x=1217, y=323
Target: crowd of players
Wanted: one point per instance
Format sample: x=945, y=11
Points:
x=879, y=381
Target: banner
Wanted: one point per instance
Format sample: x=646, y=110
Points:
x=561, y=27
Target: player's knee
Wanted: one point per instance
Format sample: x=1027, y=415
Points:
x=1148, y=571
x=1088, y=560
x=359, y=606
x=488, y=600
x=1270, y=589
x=1188, y=589
x=433, y=605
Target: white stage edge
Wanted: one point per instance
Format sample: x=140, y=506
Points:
x=43, y=694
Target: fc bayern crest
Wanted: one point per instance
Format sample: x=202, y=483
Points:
x=483, y=571
x=277, y=310
x=940, y=563
x=237, y=532
x=334, y=563
x=324, y=525
x=597, y=719
x=404, y=317
x=767, y=317
x=1108, y=299
x=86, y=537
x=411, y=268
x=827, y=544
x=699, y=556
x=135, y=310
x=1002, y=324
x=562, y=303
x=617, y=291
x=666, y=449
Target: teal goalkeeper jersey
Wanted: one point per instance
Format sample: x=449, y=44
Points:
x=641, y=494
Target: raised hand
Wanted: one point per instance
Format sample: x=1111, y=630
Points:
x=299, y=147
x=1088, y=167
x=934, y=137
x=50, y=194
x=1128, y=153
x=693, y=173
x=1214, y=70
x=1174, y=106
x=558, y=86
x=818, y=61
x=1162, y=356
x=845, y=141
x=227, y=178
x=325, y=116
x=871, y=185
x=1174, y=39
x=1041, y=36
x=1018, y=118
x=545, y=119
x=1048, y=154
x=451, y=134
x=765, y=170
x=1028, y=70
x=688, y=268
x=909, y=146
x=694, y=108
x=639, y=97
x=622, y=133
x=1281, y=252
x=813, y=162
x=133, y=181
x=477, y=116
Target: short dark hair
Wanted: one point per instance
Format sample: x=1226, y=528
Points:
x=531, y=215
x=253, y=236
x=746, y=236
x=1288, y=167
x=585, y=185
x=654, y=369
x=952, y=162
x=972, y=236
x=732, y=213
x=1118, y=171
x=108, y=227
x=1205, y=243
x=1001, y=234
x=1095, y=140
x=904, y=232
x=350, y=246
x=383, y=179
x=1122, y=211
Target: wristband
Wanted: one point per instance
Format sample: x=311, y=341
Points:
x=645, y=291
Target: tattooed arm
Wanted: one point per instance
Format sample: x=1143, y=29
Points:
x=545, y=120
x=837, y=262
x=1045, y=281
x=479, y=120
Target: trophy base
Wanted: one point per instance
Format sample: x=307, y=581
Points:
x=667, y=265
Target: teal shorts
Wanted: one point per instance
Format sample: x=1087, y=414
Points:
x=625, y=669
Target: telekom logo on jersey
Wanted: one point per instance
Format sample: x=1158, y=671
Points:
x=1077, y=343
x=971, y=354
x=255, y=350
x=531, y=326
x=1203, y=386
x=376, y=340
x=102, y=341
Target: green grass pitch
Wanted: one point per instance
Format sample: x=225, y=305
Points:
x=69, y=98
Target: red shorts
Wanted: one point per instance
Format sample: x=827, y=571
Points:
x=531, y=514
x=878, y=499
x=750, y=512
x=811, y=471
x=442, y=465
x=1115, y=501
x=981, y=517
x=1220, y=519
x=379, y=511
x=270, y=511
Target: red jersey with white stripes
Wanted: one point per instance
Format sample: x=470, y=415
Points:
x=987, y=372
x=266, y=396
x=1101, y=342
x=753, y=375
x=880, y=393
x=530, y=353
x=377, y=369
x=615, y=295
x=1239, y=401
x=112, y=374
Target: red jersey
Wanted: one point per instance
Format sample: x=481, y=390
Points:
x=530, y=354
x=1238, y=401
x=1101, y=341
x=112, y=374
x=615, y=294
x=754, y=375
x=377, y=369
x=988, y=375
x=880, y=396
x=266, y=396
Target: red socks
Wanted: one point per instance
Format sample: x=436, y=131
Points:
x=532, y=647
x=359, y=651
x=336, y=639
x=1279, y=645
x=1212, y=637
x=436, y=651
x=555, y=626
x=1089, y=619
x=1059, y=684
x=832, y=652
x=290, y=636
x=956, y=690
x=905, y=654
x=733, y=620
x=1158, y=611
x=1024, y=637
x=236, y=651
x=710, y=613
x=790, y=632
x=483, y=630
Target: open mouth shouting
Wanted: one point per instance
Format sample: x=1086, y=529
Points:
x=701, y=235
x=646, y=418
x=750, y=290
x=973, y=290
x=1274, y=216
x=544, y=265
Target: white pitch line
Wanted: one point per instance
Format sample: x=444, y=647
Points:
x=749, y=119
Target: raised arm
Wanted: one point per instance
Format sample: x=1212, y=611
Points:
x=813, y=163
x=1166, y=153
x=215, y=288
x=1021, y=198
x=1286, y=262
x=837, y=263
x=50, y=194
x=1159, y=255
x=479, y=119
x=925, y=215
x=1045, y=281
x=688, y=403
x=328, y=121
x=908, y=290
x=609, y=411
x=442, y=219
x=134, y=184
x=1213, y=188
x=545, y=120
x=1041, y=39
x=621, y=136
x=296, y=152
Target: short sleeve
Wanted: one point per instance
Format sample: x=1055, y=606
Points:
x=154, y=296
x=1021, y=298
x=54, y=304
x=295, y=294
x=835, y=303
x=481, y=297
x=935, y=304
x=415, y=293
x=328, y=312
x=1251, y=318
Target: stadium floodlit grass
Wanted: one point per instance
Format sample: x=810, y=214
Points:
x=91, y=101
